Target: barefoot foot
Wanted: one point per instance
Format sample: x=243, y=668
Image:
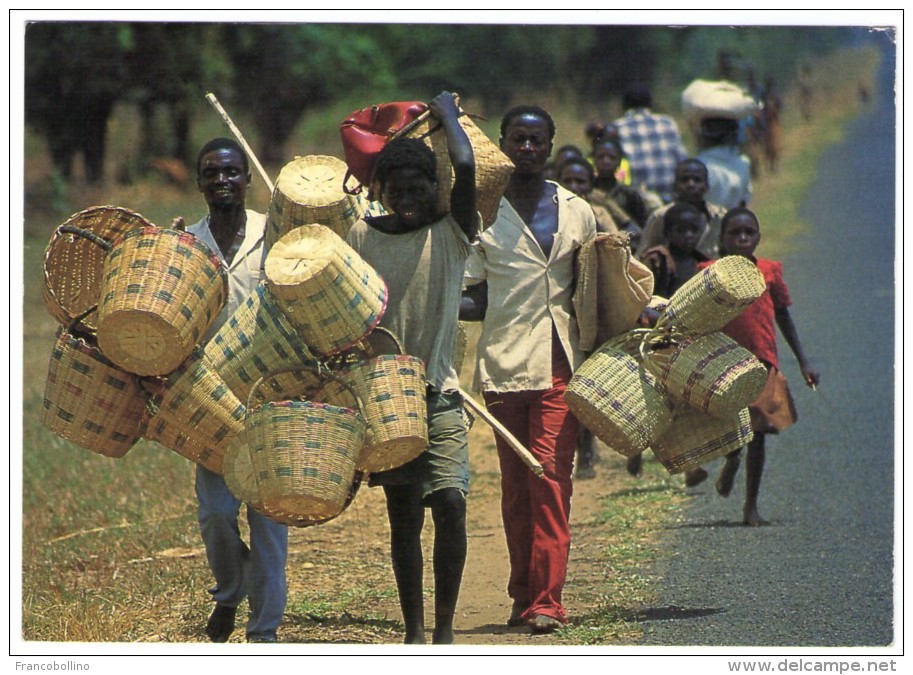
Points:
x=752, y=518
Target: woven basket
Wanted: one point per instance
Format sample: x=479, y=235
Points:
x=714, y=296
x=256, y=341
x=238, y=470
x=89, y=401
x=161, y=291
x=309, y=190
x=294, y=520
x=392, y=392
x=493, y=168
x=712, y=373
x=695, y=438
x=196, y=414
x=74, y=258
x=304, y=456
x=619, y=400
x=329, y=293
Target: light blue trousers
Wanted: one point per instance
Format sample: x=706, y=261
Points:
x=258, y=571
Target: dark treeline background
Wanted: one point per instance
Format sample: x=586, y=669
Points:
x=274, y=73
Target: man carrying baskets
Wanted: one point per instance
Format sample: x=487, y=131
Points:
x=257, y=571
x=420, y=253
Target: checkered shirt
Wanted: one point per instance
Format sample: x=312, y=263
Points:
x=654, y=147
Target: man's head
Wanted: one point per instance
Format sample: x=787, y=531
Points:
x=406, y=175
x=607, y=155
x=718, y=131
x=682, y=225
x=637, y=96
x=527, y=133
x=576, y=174
x=740, y=232
x=223, y=174
x=691, y=181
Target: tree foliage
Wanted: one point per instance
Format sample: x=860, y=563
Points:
x=275, y=72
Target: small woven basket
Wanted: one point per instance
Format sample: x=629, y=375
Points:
x=89, y=401
x=195, y=413
x=309, y=190
x=619, y=400
x=695, y=438
x=74, y=258
x=392, y=393
x=713, y=297
x=304, y=456
x=161, y=291
x=712, y=373
x=257, y=340
x=493, y=168
x=327, y=291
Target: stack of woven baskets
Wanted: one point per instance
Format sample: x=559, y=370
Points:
x=682, y=387
x=324, y=404
x=295, y=398
x=134, y=301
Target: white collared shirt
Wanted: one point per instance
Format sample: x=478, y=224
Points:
x=246, y=270
x=527, y=293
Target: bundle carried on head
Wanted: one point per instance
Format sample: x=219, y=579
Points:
x=705, y=99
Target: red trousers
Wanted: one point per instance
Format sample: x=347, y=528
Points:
x=536, y=511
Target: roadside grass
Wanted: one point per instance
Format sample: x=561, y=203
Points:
x=110, y=548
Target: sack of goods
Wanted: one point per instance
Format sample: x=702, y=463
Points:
x=327, y=291
x=703, y=99
x=161, y=291
x=365, y=132
x=681, y=388
x=310, y=190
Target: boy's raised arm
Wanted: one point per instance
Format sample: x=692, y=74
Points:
x=463, y=195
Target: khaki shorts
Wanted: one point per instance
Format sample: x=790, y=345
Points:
x=445, y=464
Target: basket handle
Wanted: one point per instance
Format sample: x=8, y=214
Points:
x=319, y=371
x=86, y=234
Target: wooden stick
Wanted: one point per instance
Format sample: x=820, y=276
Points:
x=214, y=102
x=502, y=431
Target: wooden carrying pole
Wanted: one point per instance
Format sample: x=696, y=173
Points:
x=502, y=431
x=214, y=102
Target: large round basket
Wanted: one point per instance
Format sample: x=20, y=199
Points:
x=196, y=414
x=74, y=258
x=309, y=190
x=695, y=438
x=304, y=456
x=89, y=401
x=714, y=296
x=391, y=390
x=294, y=520
x=161, y=291
x=616, y=398
x=328, y=292
x=712, y=373
x=257, y=340
x=493, y=168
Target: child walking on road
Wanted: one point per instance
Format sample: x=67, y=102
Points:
x=421, y=253
x=755, y=329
